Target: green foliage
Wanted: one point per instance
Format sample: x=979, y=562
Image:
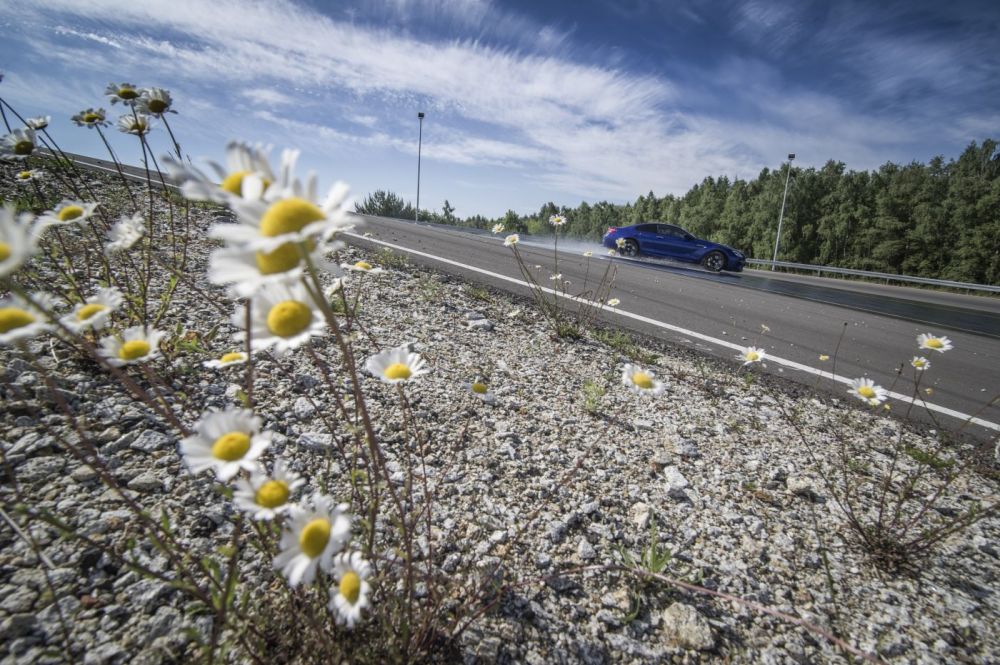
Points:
x=593, y=392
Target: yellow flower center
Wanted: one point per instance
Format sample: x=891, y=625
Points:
x=397, y=371
x=350, y=586
x=23, y=148
x=280, y=260
x=231, y=357
x=133, y=350
x=314, y=537
x=363, y=265
x=867, y=392
x=234, y=182
x=24, y=175
x=138, y=126
x=127, y=93
x=919, y=363
x=753, y=356
x=70, y=212
x=157, y=105
x=934, y=343
x=92, y=117
x=288, y=318
x=231, y=446
x=289, y=216
x=89, y=310
x=5, y=251
x=12, y=318
x=479, y=388
x=272, y=494
x=643, y=380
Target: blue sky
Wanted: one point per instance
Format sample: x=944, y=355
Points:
x=526, y=101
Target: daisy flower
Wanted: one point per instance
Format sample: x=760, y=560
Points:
x=19, y=144
x=242, y=160
x=126, y=93
x=39, y=123
x=751, y=355
x=351, y=593
x=95, y=311
x=556, y=276
x=285, y=212
x=641, y=381
x=396, y=365
x=867, y=391
x=620, y=242
x=612, y=252
x=125, y=233
x=67, y=212
x=311, y=537
x=511, y=240
x=91, y=118
x=247, y=271
x=136, y=123
x=614, y=302
x=136, y=345
x=20, y=319
x=557, y=220
x=281, y=316
x=361, y=266
x=265, y=496
x=227, y=360
x=588, y=254
x=28, y=175
x=18, y=239
x=155, y=102
x=933, y=343
x=823, y=357
x=497, y=228
x=225, y=441
x=481, y=391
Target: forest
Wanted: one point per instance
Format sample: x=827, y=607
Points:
x=940, y=219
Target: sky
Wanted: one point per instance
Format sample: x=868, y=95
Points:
x=526, y=101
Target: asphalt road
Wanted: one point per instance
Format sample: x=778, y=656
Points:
x=712, y=312
x=716, y=313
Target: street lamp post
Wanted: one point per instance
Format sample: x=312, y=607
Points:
x=420, y=141
x=781, y=216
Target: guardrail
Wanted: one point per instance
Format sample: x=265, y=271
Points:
x=888, y=277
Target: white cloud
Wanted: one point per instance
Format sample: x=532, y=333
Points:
x=268, y=97
x=62, y=30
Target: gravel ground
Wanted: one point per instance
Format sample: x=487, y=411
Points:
x=713, y=465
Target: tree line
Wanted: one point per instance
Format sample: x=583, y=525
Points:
x=940, y=219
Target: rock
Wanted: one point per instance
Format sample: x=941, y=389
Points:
x=685, y=627
x=319, y=441
x=146, y=482
x=585, y=550
x=686, y=448
x=480, y=324
x=150, y=440
x=18, y=625
x=639, y=515
x=303, y=408
x=675, y=481
x=83, y=474
x=803, y=486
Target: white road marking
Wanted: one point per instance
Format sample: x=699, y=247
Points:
x=684, y=331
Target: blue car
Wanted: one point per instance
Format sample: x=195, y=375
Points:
x=673, y=242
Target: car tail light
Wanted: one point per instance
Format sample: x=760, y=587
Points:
x=611, y=229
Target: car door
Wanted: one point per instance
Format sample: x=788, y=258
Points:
x=673, y=242
x=647, y=236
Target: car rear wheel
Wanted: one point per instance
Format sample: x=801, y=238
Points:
x=714, y=261
x=630, y=248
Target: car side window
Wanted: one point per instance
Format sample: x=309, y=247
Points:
x=646, y=228
x=670, y=231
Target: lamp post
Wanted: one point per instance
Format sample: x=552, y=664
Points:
x=420, y=141
x=781, y=216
